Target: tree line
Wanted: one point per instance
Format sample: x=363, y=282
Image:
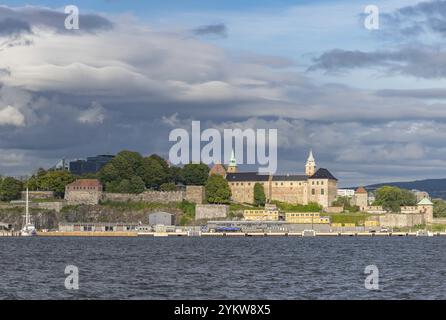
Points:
x=127, y=172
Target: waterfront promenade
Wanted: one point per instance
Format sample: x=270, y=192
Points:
x=217, y=234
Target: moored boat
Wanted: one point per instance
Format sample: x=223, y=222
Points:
x=28, y=228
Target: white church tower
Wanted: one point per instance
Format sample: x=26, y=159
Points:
x=310, y=166
x=232, y=167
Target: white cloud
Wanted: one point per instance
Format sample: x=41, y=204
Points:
x=11, y=116
x=93, y=115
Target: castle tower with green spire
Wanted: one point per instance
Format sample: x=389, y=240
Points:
x=232, y=166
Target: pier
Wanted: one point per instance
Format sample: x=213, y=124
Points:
x=215, y=234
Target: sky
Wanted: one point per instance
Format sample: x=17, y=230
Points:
x=370, y=103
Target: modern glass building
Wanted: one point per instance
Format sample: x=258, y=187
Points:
x=90, y=165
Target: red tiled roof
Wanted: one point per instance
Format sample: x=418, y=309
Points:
x=361, y=190
x=86, y=183
x=219, y=169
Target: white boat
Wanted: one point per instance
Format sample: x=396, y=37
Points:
x=424, y=233
x=309, y=233
x=193, y=233
x=28, y=229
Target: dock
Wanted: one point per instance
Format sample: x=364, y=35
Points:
x=212, y=234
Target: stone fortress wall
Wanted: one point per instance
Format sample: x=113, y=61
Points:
x=211, y=211
x=146, y=196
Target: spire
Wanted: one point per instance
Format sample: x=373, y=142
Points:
x=310, y=166
x=232, y=161
x=310, y=156
x=232, y=167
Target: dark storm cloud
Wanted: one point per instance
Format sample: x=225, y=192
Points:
x=212, y=29
x=417, y=19
x=402, y=28
x=338, y=60
x=13, y=21
x=422, y=61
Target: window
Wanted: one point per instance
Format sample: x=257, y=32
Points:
x=322, y=191
x=313, y=191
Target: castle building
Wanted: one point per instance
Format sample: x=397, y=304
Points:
x=316, y=185
x=426, y=208
x=83, y=191
x=361, y=198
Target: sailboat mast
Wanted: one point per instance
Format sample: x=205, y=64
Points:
x=27, y=208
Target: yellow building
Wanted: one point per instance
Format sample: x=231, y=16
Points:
x=306, y=217
x=261, y=215
x=371, y=223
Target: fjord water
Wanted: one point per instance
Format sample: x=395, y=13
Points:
x=223, y=268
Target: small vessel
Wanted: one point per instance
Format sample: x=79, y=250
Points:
x=193, y=233
x=308, y=233
x=424, y=233
x=28, y=229
x=227, y=229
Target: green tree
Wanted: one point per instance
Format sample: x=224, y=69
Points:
x=51, y=180
x=154, y=172
x=125, y=165
x=439, y=208
x=88, y=176
x=134, y=185
x=259, y=195
x=345, y=202
x=161, y=161
x=137, y=185
x=33, y=183
x=174, y=174
x=391, y=198
x=195, y=174
x=168, y=187
x=217, y=190
x=124, y=186
x=10, y=189
x=108, y=174
x=112, y=186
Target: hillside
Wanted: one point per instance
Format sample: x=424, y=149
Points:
x=435, y=187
